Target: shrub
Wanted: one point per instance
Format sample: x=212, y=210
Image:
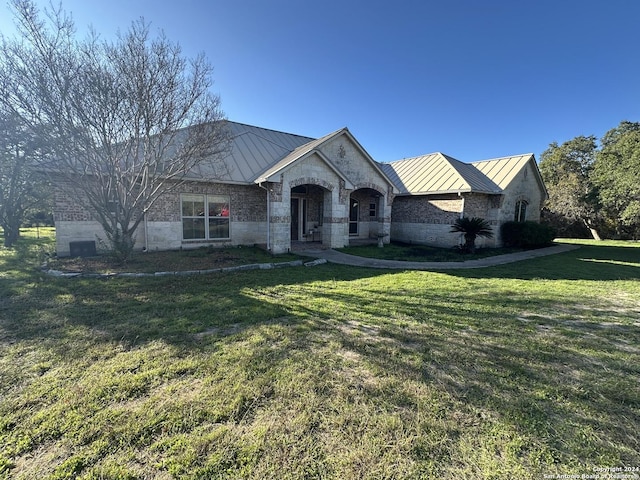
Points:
x=527, y=234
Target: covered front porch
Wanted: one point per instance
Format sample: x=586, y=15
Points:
x=327, y=193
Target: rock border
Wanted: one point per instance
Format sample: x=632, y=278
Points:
x=238, y=268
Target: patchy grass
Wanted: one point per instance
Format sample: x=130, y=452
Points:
x=517, y=371
x=203, y=258
x=422, y=253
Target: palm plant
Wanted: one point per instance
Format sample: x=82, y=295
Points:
x=472, y=228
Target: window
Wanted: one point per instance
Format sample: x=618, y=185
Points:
x=521, y=211
x=353, y=217
x=205, y=217
x=372, y=210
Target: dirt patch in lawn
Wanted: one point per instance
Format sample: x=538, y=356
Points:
x=169, y=261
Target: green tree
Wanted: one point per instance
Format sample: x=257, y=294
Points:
x=472, y=228
x=126, y=120
x=617, y=176
x=566, y=170
x=21, y=187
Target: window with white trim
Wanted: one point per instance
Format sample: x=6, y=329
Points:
x=205, y=217
x=521, y=211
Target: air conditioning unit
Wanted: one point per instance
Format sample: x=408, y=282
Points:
x=85, y=248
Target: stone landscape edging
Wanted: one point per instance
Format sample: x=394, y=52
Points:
x=251, y=266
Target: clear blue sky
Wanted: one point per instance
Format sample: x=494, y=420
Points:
x=473, y=79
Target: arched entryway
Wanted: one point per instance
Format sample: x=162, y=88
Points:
x=366, y=216
x=309, y=205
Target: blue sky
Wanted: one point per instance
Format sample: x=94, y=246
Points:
x=472, y=79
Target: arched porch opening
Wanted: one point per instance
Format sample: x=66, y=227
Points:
x=310, y=205
x=366, y=216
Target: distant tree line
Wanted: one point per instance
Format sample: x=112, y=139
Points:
x=595, y=189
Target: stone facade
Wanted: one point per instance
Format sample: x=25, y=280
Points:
x=162, y=229
x=427, y=219
x=329, y=191
x=332, y=194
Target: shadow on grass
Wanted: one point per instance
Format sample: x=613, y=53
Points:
x=131, y=310
x=537, y=370
x=589, y=262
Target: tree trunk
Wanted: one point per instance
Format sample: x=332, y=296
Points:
x=594, y=232
x=122, y=243
x=470, y=243
x=11, y=235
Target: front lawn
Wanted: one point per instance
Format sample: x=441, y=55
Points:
x=204, y=258
x=516, y=371
x=422, y=253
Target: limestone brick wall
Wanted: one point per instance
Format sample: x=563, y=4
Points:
x=248, y=216
x=428, y=219
x=67, y=207
x=425, y=220
x=433, y=209
x=477, y=205
x=348, y=158
x=71, y=231
x=74, y=222
x=523, y=187
x=486, y=207
x=310, y=171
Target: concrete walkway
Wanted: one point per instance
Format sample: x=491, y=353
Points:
x=342, y=258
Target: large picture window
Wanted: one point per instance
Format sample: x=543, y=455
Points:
x=205, y=217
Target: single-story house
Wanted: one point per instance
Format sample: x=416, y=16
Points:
x=278, y=190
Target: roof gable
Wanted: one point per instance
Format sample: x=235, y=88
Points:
x=505, y=169
x=297, y=154
x=314, y=147
x=502, y=170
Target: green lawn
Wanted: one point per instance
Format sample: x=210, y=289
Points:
x=422, y=253
x=335, y=372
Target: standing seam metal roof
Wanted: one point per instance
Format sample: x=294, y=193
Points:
x=255, y=150
x=503, y=170
x=437, y=173
x=298, y=153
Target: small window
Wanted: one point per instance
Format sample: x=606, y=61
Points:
x=373, y=210
x=205, y=217
x=521, y=211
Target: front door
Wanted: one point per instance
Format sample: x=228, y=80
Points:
x=295, y=225
x=298, y=218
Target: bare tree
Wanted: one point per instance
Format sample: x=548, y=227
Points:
x=125, y=121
